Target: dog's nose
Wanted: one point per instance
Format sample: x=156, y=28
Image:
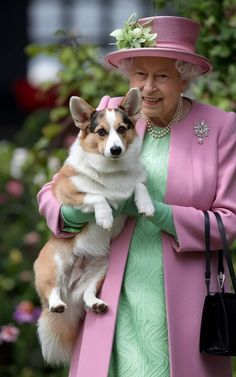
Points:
x=115, y=151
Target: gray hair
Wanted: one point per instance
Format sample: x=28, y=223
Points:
x=188, y=71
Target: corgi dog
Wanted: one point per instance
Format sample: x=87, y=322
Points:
x=101, y=172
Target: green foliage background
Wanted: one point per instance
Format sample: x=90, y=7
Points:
x=42, y=140
x=217, y=42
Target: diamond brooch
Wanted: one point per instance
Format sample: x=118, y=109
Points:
x=201, y=130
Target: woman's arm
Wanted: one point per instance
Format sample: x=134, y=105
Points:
x=50, y=208
x=74, y=219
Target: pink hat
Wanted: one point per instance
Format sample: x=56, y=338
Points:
x=175, y=39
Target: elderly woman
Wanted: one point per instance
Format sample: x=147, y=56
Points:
x=189, y=153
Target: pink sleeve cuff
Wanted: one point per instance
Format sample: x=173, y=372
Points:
x=191, y=233
x=50, y=208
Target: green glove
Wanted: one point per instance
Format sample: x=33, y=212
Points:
x=74, y=219
x=127, y=208
x=162, y=217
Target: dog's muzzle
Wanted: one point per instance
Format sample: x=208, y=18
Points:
x=115, y=151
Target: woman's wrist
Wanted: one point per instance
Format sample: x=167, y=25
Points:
x=74, y=219
x=163, y=218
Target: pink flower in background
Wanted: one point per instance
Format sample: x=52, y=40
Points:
x=32, y=238
x=9, y=334
x=26, y=312
x=15, y=188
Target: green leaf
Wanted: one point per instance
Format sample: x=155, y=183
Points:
x=51, y=130
x=222, y=51
x=59, y=113
x=41, y=144
x=116, y=33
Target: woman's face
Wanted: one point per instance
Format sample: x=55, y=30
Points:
x=160, y=84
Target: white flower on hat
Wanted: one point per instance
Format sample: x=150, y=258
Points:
x=134, y=35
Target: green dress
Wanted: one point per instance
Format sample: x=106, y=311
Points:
x=140, y=347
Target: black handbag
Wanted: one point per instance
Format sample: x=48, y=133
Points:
x=218, y=324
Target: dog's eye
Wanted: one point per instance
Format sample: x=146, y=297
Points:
x=121, y=129
x=101, y=132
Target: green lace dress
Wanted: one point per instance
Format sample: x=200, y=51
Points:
x=140, y=346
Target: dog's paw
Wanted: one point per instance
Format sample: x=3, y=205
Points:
x=147, y=210
x=99, y=306
x=105, y=221
x=59, y=307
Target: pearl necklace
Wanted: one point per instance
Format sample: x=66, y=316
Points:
x=159, y=133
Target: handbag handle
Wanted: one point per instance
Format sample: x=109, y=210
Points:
x=207, y=251
x=226, y=249
x=226, y=252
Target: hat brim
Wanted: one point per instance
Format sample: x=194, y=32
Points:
x=113, y=58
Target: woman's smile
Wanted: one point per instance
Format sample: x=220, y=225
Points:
x=152, y=101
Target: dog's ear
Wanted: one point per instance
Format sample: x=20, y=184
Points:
x=80, y=111
x=132, y=102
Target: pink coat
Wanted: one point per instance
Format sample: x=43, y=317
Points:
x=200, y=176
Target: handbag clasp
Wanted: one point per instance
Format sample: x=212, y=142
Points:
x=221, y=280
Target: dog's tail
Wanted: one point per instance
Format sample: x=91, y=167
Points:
x=57, y=334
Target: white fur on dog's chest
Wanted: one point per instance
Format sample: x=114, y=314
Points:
x=115, y=180
x=113, y=188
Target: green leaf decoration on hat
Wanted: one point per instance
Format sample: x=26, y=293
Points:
x=134, y=35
